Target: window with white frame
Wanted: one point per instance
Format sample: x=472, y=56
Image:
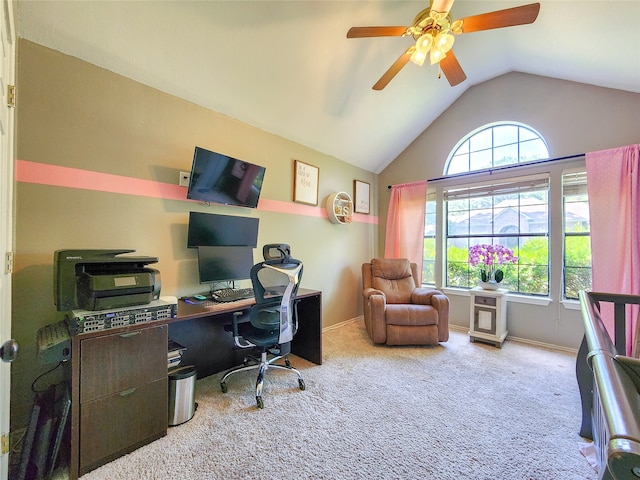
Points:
x=513, y=212
x=496, y=145
x=429, y=245
x=576, y=270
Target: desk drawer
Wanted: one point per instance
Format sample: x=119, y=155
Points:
x=112, y=363
x=118, y=424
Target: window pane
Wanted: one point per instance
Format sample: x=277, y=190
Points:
x=505, y=155
x=457, y=263
x=480, y=160
x=429, y=260
x=576, y=279
x=576, y=214
x=459, y=164
x=463, y=148
x=533, y=150
x=481, y=141
x=505, y=135
x=481, y=222
x=495, y=145
x=533, y=265
x=577, y=245
x=526, y=134
x=459, y=205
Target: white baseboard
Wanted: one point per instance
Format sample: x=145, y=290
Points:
x=534, y=343
x=340, y=324
x=461, y=329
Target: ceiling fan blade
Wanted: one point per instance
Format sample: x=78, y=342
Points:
x=393, y=70
x=360, y=32
x=501, y=18
x=452, y=69
x=442, y=6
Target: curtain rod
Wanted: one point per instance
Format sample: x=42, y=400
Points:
x=506, y=167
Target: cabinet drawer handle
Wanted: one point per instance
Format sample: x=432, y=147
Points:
x=126, y=393
x=130, y=334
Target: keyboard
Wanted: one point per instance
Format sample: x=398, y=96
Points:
x=231, y=294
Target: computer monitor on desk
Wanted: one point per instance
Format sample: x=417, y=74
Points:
x=219, y=264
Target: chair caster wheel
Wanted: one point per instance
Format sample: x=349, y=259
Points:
x=223, y=387
x=301, y=384
x=259, y=402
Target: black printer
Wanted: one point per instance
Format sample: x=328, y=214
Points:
x=103, y=279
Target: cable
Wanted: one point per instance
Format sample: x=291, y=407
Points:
x=33, y=384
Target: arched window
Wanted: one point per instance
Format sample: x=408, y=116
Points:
x=496, y=145
x=512, y=211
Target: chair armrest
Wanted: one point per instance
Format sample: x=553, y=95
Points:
x=367, y=292
x=422, y=296
x=375, y=306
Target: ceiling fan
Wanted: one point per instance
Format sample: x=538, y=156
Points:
x=433, y=32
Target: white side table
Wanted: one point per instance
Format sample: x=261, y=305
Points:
x=488, y=316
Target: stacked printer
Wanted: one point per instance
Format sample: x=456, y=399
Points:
x=104, y=289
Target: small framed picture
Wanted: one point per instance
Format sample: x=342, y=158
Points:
x=361, y=196
x=305, y=183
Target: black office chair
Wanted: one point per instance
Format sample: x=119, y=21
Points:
x=273, y=320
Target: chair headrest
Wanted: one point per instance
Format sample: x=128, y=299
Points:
x=391, y=268
x=276, y=251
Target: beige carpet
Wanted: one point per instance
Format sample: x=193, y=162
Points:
x=461, y=410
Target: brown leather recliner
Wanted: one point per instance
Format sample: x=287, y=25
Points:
x=397, y=311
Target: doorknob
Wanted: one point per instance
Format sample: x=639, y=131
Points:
x=9, y=351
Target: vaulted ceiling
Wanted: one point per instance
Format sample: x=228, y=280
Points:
x=287, y=67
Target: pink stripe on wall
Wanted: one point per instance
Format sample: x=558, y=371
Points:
x=45, y=174
x=55, y=175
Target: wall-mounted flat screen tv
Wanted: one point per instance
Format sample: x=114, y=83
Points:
x=213, y=230
x=217, y=178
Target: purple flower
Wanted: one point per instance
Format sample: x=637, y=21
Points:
x=490, y=255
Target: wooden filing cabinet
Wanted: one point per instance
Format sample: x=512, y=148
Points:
x=488, y=314
x=123, y=394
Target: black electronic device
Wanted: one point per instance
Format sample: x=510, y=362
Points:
x=217, y=264
x=102, y=279
x=218, y=178
x=214, y=230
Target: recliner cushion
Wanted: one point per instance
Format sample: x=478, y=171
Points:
x=393, y=276
x=411, y=315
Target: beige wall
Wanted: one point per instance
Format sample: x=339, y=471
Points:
x=74, y=114
x=574, y=118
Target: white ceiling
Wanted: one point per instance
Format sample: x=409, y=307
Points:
x=287, y=67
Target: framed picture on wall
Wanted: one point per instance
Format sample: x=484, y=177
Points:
x=305, y=183
x=361, y=196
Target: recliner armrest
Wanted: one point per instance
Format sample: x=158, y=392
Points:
x=422, y=296
x=367, y=292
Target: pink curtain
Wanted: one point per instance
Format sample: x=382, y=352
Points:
x=405, y=223
x=613, y=184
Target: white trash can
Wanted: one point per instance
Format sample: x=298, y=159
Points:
x=182, y=389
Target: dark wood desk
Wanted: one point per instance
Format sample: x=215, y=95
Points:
x=118, y=377
x=209, y=347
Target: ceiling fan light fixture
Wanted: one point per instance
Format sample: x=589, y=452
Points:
x=424, y=43
x=436, y=55
x=444, y=42
x=418, y=56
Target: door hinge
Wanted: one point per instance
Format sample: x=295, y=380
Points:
x=5, y=444
x=11, y=96
x=8, y=265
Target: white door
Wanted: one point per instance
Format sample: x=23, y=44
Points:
x=8, y=348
